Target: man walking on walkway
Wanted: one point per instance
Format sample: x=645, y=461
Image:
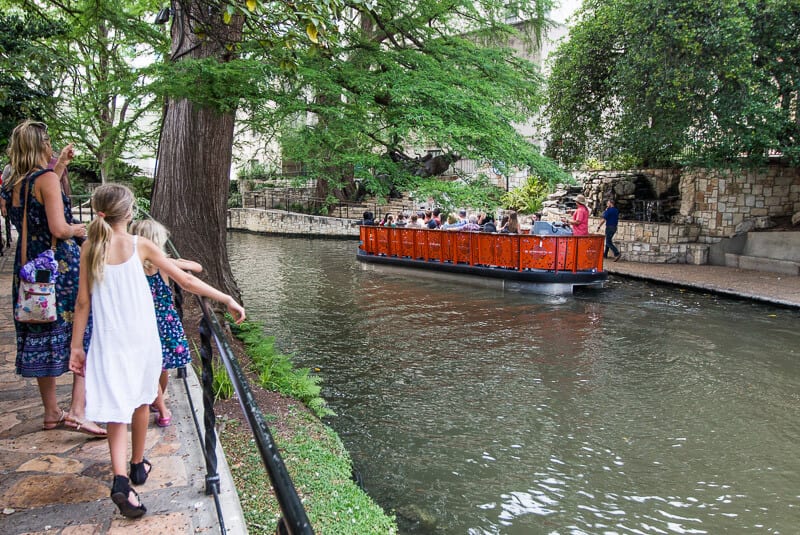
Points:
x=611, y=220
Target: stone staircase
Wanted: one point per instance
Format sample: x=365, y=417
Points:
x=775, y=252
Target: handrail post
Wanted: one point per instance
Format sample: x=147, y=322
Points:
x=209, y=418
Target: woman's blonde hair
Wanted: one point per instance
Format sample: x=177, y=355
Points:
x=153, y=231
x=112, y=203
x=26, y=150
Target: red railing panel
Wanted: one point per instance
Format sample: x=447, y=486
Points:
x=421, y=244
x=537, y=252
x=435, y=245
x=462, y=250
x=486, y=253
x=560, y=253
x=448, y=245
x=590, y=253
x=405, y=242
x=507, y=250
x=383, y=243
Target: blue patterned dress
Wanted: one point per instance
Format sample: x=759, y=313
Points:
x=174, y=347
x=43, y=349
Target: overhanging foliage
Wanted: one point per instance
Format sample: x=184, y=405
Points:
x=686, y=82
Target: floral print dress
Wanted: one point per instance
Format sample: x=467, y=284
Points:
x=174, y=347
x=43, y=349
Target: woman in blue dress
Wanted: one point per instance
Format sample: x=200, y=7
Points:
x=43, y=350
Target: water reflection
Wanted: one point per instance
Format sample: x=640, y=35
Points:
x=637, y=409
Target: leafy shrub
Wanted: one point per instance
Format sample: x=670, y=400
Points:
x=277, y=372
x=527, y=198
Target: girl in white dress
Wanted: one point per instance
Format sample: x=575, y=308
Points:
x=123, y=363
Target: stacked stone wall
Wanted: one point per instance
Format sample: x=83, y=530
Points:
x=712, y=205
x=729, y=202
x=291, y=224
x=658, y=243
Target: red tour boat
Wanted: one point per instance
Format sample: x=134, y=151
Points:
x=550, y=262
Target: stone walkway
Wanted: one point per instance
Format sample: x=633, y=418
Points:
x=771, y=288
x=58, y=481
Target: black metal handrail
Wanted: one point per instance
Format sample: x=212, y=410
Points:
x=82, y=208
x=294, y=520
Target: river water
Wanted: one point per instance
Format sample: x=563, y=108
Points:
x=633, y=409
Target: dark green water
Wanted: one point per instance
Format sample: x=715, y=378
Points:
x=633, y=409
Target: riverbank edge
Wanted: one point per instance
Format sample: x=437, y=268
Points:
x=290, y=423
x=298, y=235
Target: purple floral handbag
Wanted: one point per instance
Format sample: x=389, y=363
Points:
x=36, y=302
x=36, y=299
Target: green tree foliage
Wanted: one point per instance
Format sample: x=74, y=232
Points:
x=684, y=81
x=25, y=87
x=95, y=67
x=394, y=76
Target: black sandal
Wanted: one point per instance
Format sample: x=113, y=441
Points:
x=140, y=471
x=120, y=495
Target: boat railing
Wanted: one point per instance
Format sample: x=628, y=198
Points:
x=509, y=251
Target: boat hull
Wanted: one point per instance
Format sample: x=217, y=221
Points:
x=527, y=281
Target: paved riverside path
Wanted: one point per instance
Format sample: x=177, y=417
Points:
x=771, y=288
x=58, y=482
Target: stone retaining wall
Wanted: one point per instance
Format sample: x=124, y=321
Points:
x=291, y=224
x=729, y=202
x=705, y=206
x=723, y=202
x=658, y=243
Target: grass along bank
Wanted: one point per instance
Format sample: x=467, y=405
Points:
x=315, y=456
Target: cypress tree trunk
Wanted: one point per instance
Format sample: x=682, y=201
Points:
x=190, y=192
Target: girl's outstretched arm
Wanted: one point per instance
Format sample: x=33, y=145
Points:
x=148, y=251
x=77, y=355
x=188, y=265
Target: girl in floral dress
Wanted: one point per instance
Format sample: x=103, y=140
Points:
x=174, y=347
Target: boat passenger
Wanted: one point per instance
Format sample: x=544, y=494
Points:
x=389, y=222
x=368, y=219
x=462, y=218
x=472, y=225
x=414, y=222
x=452, y=223
x=426, y=218
x=434, y=221
x=488, y=223
x=512, y=227
x=503, y=223
x=401, y=220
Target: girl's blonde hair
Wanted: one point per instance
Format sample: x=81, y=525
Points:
x=26, y=150
x=112, y=203
x=153, y=231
